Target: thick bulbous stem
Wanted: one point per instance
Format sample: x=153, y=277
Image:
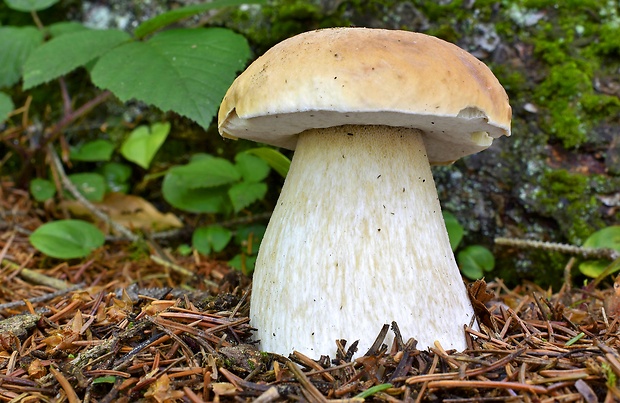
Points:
x=357, y=240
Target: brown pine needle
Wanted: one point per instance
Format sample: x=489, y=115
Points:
x=66, y=386
x=487, y=385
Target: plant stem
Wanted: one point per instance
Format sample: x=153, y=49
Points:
x=588, y=253
x=67, y=184
x=37, y=20
x=66, y=98
x=73, y=115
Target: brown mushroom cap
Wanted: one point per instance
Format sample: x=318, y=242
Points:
x=338, y=76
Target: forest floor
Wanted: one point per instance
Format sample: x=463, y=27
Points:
x=137, y=323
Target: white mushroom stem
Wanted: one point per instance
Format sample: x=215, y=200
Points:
x=357, y=240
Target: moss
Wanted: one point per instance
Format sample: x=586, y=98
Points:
x=277, y=20
x=447, y=32
x=564, y=81
x=603, y=184
x=560, y=95
x=570, y=106
x=569, y=199
x=607, y=43
x=550, y=54
x=600, y=104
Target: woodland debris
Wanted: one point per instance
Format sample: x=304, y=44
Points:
x=127, y=329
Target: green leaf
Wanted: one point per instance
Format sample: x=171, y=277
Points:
x=211, y=238
x=575, y=339
x=30, y=5
x=184, y=249
x=594, y=268
x=17, y=43
x=200, y=156
x=187, y=71
x=276, y=160
x=65, y=27
x=42, y=189
x=165, y=19
x=116, y=176
x=375, y=389
x=251, y=168
x=6, y=106
x=474, y=260
x=90, y=185
x=67, y=239
x=455, y=229
x=200, y=200
x=206, y=172
x=243, y=263
x=67, y=52
x=251, y=234
x=245, y=193
x=201, y=185
x=608, y=237
x=142, y=143
x=104, y=379
x=96, y=150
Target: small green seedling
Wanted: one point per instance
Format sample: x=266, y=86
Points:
x=473, y=260
x=606, y=238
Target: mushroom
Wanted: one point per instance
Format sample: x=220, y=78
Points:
x=357, y=238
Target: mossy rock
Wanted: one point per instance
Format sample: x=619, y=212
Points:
x=557, y=62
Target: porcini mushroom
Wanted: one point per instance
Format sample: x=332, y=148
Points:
x=357, y=238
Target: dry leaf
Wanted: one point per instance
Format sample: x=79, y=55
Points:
x=36, y=369
x=479, y=296
x=224, y=389
x=160, y=391
x=131, y=211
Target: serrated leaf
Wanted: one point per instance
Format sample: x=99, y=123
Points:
x=184, y=70
x=165, y=19
x=455, y=229
x=251, y=168
x=90, y=185
x=245, y=193
x=30, y=5
x=96, y=150
x=143, y=143
x=67, y=52
x=276, y=160
x=474, y=260
x=67, y=239
x=42, y=189
x=6, y=106
x=206, y=172
x=211, y=238
x=17, y=44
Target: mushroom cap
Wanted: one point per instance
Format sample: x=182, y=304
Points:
x=363, y=76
